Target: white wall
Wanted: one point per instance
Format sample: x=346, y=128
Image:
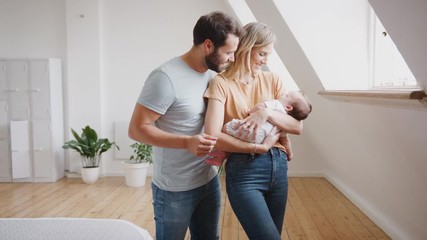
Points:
x=84, y=83
x=32, y=29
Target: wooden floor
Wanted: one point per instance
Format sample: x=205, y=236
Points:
x=315, y=210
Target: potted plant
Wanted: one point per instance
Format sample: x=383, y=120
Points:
x=136, y=167
x=90, y=148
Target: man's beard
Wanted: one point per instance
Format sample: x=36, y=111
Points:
x=213, y=62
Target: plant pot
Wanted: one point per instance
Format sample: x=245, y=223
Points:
x=135, y=173
x=90, y=174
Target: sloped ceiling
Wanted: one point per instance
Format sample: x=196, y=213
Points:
x=298, y=66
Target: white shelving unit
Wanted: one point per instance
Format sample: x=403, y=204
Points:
x=31, y=92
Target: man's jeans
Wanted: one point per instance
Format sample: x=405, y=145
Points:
x=198, y=209
x=257, y=187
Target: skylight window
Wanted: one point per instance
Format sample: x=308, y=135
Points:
x=389, y=69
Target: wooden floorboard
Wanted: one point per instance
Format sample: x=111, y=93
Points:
x=315, y=208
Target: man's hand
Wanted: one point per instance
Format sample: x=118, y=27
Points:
x=201, y=144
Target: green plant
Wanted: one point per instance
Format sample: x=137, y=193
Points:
x=221, y=169
x=141, y=153
x=89, y=146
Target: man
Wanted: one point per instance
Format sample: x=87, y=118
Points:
x=169, y=115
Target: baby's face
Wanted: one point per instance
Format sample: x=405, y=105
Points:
x=289, y=96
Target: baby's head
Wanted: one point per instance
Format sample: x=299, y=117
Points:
x=296, y=104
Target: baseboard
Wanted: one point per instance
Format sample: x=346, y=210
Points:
x=72, y=175
x=304, y=174
x=78, y=175
x=115, y=174
x=122, y=174
x=5, y=179
x=290, y=174
x=366, y=208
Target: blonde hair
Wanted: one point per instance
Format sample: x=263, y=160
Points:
x=257, y=35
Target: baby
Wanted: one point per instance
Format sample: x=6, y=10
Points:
x=293, y=103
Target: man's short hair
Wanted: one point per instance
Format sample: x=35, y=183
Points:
x=216, y=26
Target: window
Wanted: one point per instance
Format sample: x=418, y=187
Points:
x=388, y=69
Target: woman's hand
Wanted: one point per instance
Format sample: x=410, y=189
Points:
x=254, y=121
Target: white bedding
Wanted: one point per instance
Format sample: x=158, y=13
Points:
x=70, y=229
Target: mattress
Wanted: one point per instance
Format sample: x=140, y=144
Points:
x=70, y=229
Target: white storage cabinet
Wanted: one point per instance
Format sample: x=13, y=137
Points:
x=31, y=94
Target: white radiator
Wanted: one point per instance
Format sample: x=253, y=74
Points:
x=122, y=140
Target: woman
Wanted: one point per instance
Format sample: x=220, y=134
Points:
x=256, y=178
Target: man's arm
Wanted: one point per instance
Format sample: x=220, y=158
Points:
x=142, y=129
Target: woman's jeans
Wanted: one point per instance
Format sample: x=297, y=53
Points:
x=257, y=187
x=198, y=209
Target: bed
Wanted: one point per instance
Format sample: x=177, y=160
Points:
x=70, y=229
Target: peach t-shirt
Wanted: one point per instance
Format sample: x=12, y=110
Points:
x=238, y=98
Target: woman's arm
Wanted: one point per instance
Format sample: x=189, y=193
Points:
x=282, y=121
x=214, y=121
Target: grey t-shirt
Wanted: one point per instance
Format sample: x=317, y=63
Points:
x=175, y=91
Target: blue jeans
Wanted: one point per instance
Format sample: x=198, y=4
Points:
x=198, y=209
x=257, y=187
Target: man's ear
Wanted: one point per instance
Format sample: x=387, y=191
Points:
x=208, y=46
